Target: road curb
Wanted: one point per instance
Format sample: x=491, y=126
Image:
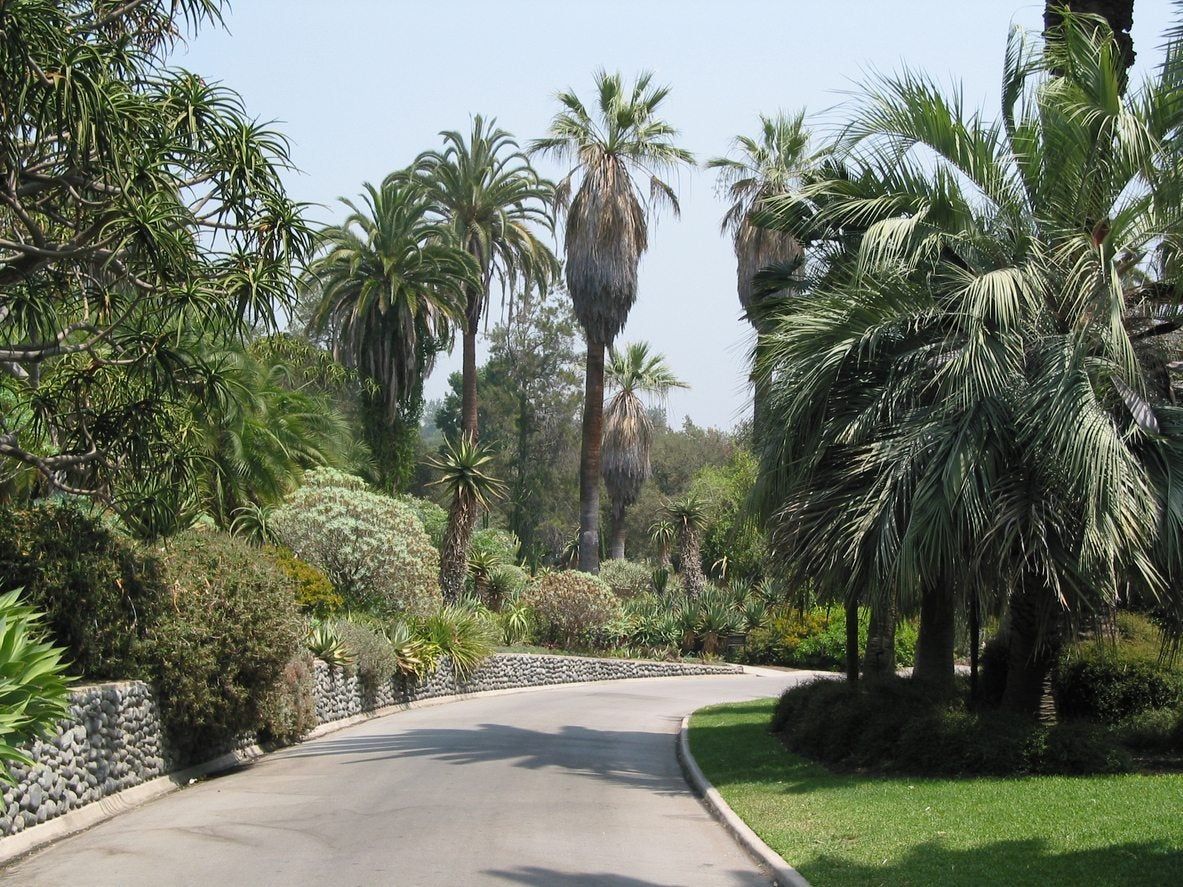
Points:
x=782, y=873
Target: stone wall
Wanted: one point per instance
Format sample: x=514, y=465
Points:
x=113, y=738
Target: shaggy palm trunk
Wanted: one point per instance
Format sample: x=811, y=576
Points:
x=934, y=644
x=589, y=460
x=879, y=658
x=1035, y=625
x=468, y=403
x=616, y=548
x=852, y=640
x=690, y=555
x=454, y=551
x=975, y=645
x=663, y=556
x=1118, y=14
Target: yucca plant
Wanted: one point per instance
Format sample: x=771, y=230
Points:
x=462, y=634
x=663, y=533
x=482, y=564
x=753, y=614
x=688, y=516
x=716, y=620
x=465, y=479
x=517, y=622
x=661, y=579
x=253, y=523
x=326, y=645
x=34, y=688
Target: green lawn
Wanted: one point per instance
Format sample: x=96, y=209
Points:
x=843, y=829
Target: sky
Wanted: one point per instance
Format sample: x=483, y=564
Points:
x=362, y=86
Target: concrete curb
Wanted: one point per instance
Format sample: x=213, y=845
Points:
x=782, y=873
x=25, y=842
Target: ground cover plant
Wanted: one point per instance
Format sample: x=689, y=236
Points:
x=850, y=829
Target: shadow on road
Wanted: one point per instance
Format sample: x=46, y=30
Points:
x=543, y=877
x=641, y=759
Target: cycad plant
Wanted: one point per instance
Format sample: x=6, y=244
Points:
x=494, y=202
x=689, y=516
x=467, y=485
x=611, y=153
x=635, y=373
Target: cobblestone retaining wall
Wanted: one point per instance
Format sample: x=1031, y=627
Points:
x=113, y=738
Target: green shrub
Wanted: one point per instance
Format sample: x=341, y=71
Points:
x=433, y=517
x=34, y=689
x=314, y=592
x=466, y=635
x=92, y=585
x=1153, y=730
x=1102, y=686
x=501, y=545
x=373, y=548
x=374, y=659
x=219, y=640
x=893, y=725
x=572, y=609
x=816, y=638
x=287, y=711
x=626, y=578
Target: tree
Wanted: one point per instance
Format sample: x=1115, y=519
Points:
x=689, y=517
x=768, y=165
x=628, y=430
x=1118, y=15
x=493, y=199
x=965, y=389
x=469, y=487
x=389, y=282
x=606, y=233
x=143, y=222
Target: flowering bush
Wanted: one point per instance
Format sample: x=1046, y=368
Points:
x=373, y=548
x=571, y=608
x=626, y=578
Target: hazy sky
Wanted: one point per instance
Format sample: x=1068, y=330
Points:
x=362, y=86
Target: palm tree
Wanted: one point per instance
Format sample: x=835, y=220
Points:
x=607, y=231
x=469, y=488
x=628, y=430
x=688, y=515
x=390, y=281
x=493, y=200
x=770, y=164
x=960, y=391
x=1118, y=16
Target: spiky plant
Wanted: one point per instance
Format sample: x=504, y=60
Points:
x=325, y=644
x=494, y=201
x=468, y=487
x=482, y=563
x=607, y=230
x=664, y=534
x=635, y=373
x=688, y=515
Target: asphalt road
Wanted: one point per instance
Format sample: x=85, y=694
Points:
x=567, y=786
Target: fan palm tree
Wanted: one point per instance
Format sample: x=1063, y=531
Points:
x=628, y=430
x=390, y=280
x=770, y=164
x=468, y=487
x=961, y=394
x=688, y=515
x=607, y=230
x=493, y=200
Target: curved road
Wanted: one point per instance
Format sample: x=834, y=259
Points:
x=570, y=786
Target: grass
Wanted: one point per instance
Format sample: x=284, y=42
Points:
x=850, y=829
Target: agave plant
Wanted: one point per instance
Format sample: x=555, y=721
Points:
x=253, y=523
x=326, y=645
x=413, y=656
x=716, y=620
x=517, y=621
x=482, y=565
x=462, y=634
x=33, y=683
x=753, y=614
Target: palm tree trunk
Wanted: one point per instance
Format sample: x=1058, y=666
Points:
x=468, y=402
x=454, y=551
x=975, y=645
x=852, y=640
x=690, y=560
x=616, y=549
x=879, y=658
x=934, y=645
x=589, y=460
x=1034, y=628
x=1118, y=14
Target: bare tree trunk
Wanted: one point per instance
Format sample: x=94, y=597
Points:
x=690, y=560
x=468, y=397
x=975, y=644
x=879, y=658
x=454, y=551
x=1034, y=629
x=852, y=640
x=934, y=645
x=589, y=460
x=616, y=548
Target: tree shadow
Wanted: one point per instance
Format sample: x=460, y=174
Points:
x=544, y=877
x=639, y=759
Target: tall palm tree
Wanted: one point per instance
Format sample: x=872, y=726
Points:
x=628, y=430
x=469, y=488
x=388, y=284
x=688, y=515
x=771, y=164
x=494, y=200
x=607, y=231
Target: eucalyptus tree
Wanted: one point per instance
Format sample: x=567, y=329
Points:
x=469, y=487
x=143, y=221
x=607, y=230
x=771, y=163
x=628, y=431
x=389, y=282
x=494, y=201
x=961, y=388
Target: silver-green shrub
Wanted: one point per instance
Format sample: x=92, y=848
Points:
x=627, y=578
x=571, y=608
x=372, y=547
